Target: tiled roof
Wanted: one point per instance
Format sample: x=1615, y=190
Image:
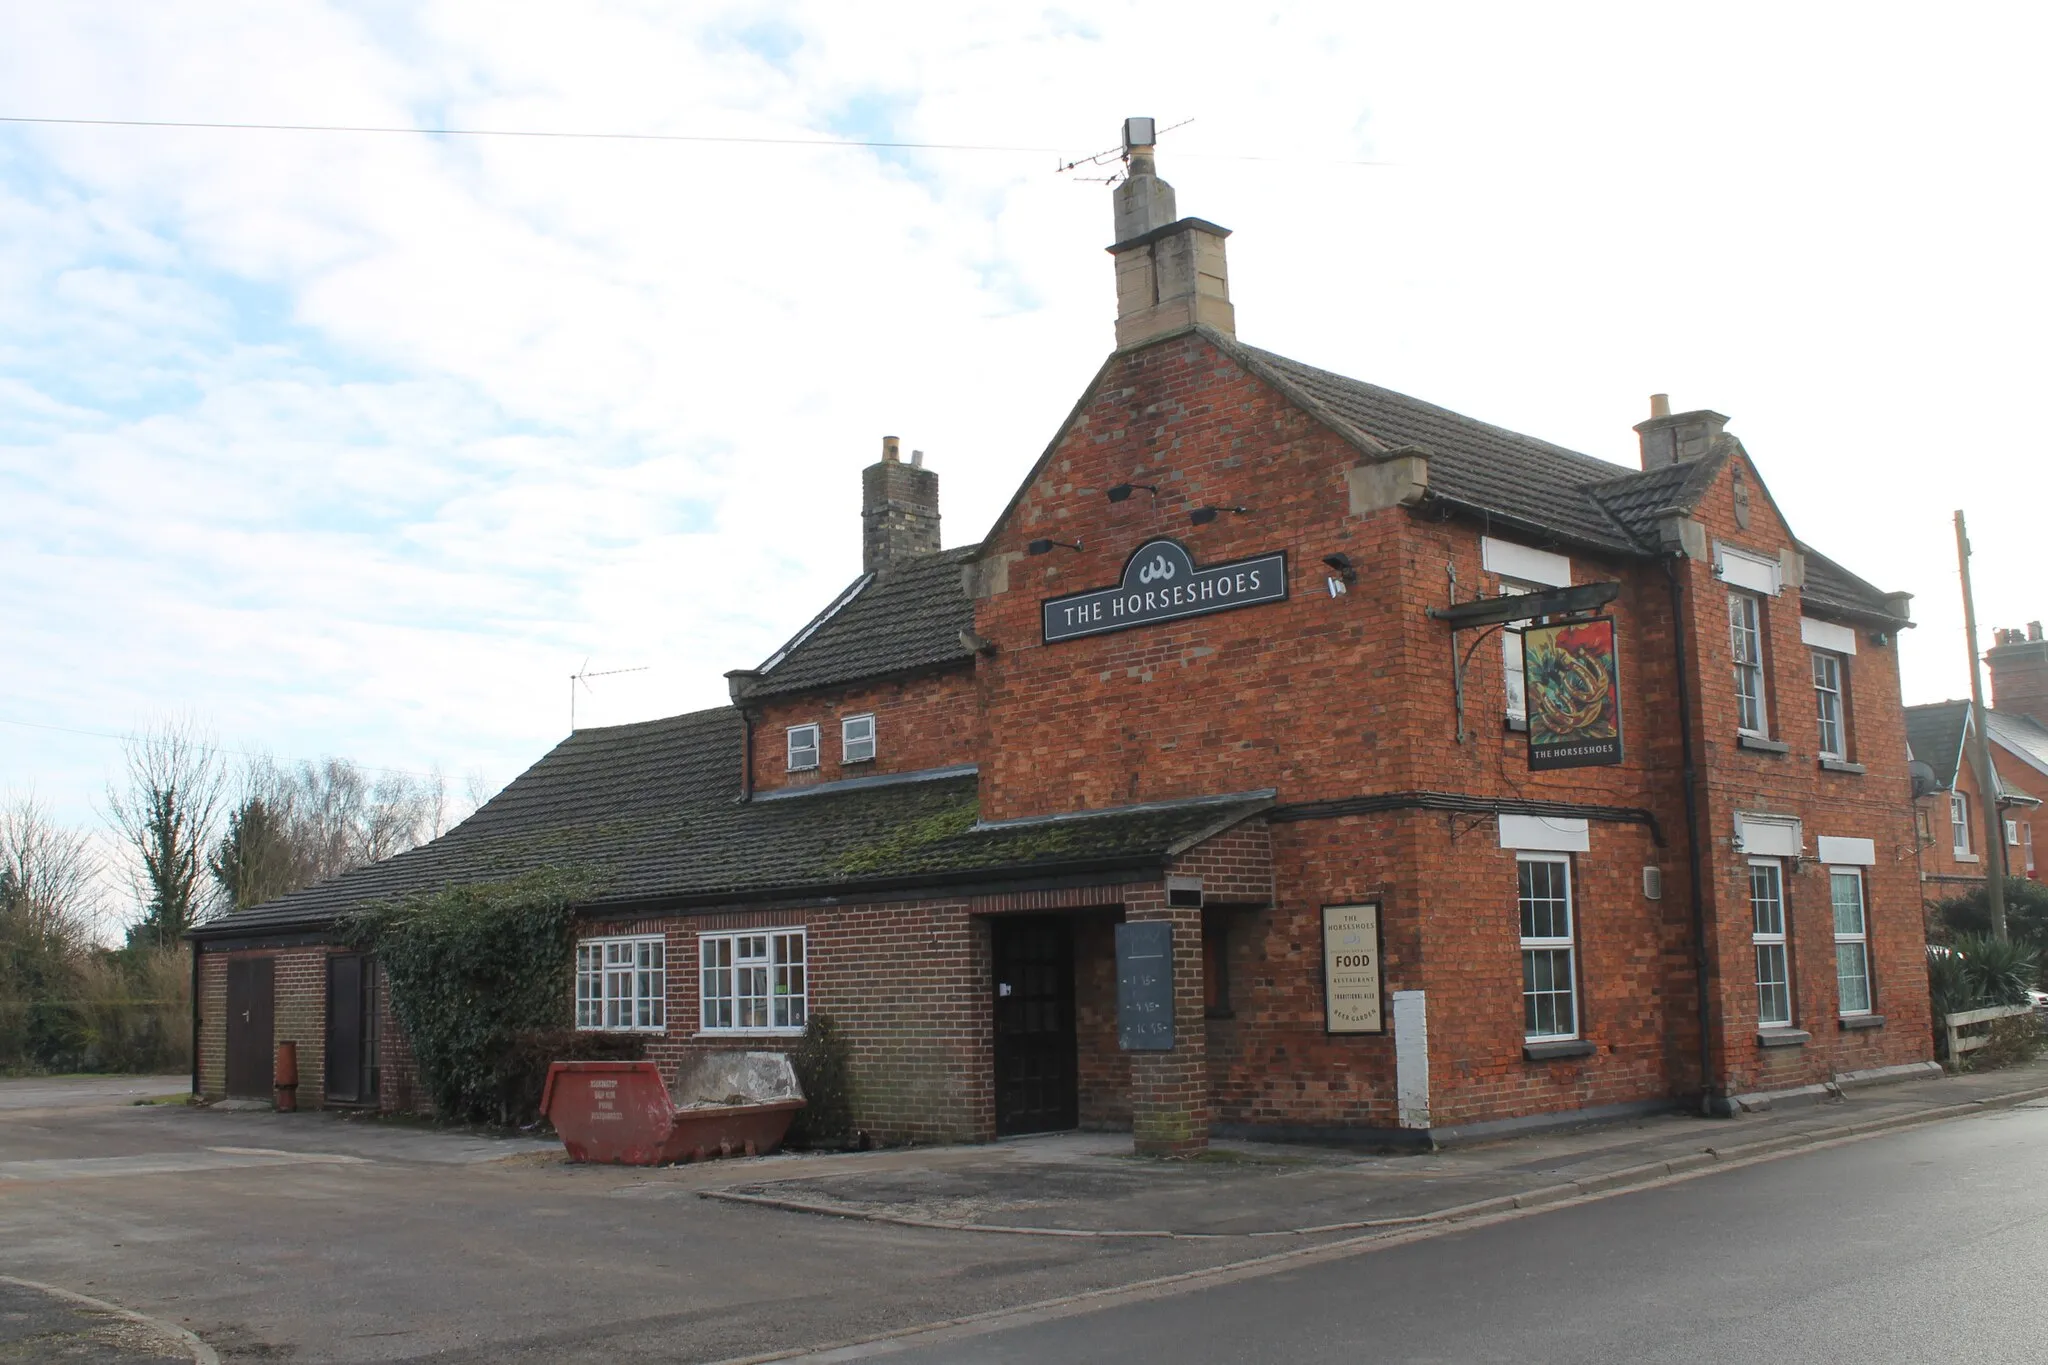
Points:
x=906, y=616
x=1485, y=466
x=1523, y=481
x=1935, y=732
x=2022, y=736
x=651, y=813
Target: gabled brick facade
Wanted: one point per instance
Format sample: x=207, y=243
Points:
x=1338, y=747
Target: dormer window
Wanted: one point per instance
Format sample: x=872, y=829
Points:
x=803, y=747
x=857, y=739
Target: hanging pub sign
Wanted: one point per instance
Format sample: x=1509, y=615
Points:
x=1161, y=583
x=1573, y=688
x=1351, y=969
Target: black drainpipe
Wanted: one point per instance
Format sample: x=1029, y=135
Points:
x=195, y=1020
x=747, y=771
x=1692, y=839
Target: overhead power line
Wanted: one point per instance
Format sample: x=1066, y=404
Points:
x=706, y=138
x=530, y=132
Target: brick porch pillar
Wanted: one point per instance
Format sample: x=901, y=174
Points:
x=1170, y=1090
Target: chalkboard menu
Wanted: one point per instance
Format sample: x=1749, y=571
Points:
x=1144, y=987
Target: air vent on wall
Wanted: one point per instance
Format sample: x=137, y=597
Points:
x=1653, y=883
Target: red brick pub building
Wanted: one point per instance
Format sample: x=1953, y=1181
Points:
x=1223, y=667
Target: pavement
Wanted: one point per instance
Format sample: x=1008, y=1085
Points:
x=318, y=1237
x=1089, y=1184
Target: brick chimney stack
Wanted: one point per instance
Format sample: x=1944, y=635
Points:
x=899, y=508
x=2019, y=672
x=1170, y=271
x=1674, y=438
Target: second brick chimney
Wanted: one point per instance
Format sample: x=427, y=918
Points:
x=899, y=508
x=1170, y=271
x=2019, y=672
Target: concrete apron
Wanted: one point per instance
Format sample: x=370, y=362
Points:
x=1089, y=1185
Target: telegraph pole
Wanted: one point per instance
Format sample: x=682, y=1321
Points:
x=1980, y=753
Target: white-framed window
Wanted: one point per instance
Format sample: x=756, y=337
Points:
x=1827, y=696
x=1852, y=940
x=857, y=739
x=622, y=983
x=1513, y=674
x=1550, y=993
x=2012, y=834
x=1959, y=822
x=753, y=981
x=1773, y=961
x=2027, y=845
x=803, y=747
x=1746, y=640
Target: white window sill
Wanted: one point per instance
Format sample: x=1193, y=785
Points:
x=1552, y=1049
x=713, y=1035
x=637, y=1028
x=1962, y=857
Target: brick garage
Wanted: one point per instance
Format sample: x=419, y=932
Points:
x=1730, y=908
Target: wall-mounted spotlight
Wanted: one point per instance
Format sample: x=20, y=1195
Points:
x=1346, y=570
x=1124, y=490
x=1046, y=547
x=1202, y=516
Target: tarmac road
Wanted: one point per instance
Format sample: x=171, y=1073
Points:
x=1923, y=1245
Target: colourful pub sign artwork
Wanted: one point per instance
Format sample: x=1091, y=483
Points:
x=1573, y=687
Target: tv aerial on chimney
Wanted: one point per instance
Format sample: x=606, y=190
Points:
x=1138, y=132
x=583, y=676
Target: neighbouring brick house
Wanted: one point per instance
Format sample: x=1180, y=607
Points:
x=1950, y=814
x=1231, y=663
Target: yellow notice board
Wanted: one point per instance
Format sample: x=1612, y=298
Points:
x=1351, y=969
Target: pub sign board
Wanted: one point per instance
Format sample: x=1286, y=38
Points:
x=1144, y=986
x=1351, y=969
x=1572, y=683
x=1162, y=583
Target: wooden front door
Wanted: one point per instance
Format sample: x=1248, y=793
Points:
x=351, y=1028
x=1037, y=1072
x=252, y=1008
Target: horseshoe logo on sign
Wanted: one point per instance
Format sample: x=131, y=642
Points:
x=1158, y=571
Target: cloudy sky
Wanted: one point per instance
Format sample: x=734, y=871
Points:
x=362, y=444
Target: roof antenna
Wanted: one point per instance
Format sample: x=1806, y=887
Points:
x=583, y=676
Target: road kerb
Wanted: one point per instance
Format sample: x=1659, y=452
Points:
x=1605, y=1182
x=202, y=1354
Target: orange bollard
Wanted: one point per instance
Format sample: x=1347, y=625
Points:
x=287, y=1077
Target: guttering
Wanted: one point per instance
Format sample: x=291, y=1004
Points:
x=1141, y=808
x=1695, y=877
x=1463, y=804
x=1014, y=876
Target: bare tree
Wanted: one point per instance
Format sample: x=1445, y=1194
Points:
x=48, y=879
x=167, y=814
x=293, y=826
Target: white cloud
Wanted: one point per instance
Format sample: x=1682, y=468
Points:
x=363, y=443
